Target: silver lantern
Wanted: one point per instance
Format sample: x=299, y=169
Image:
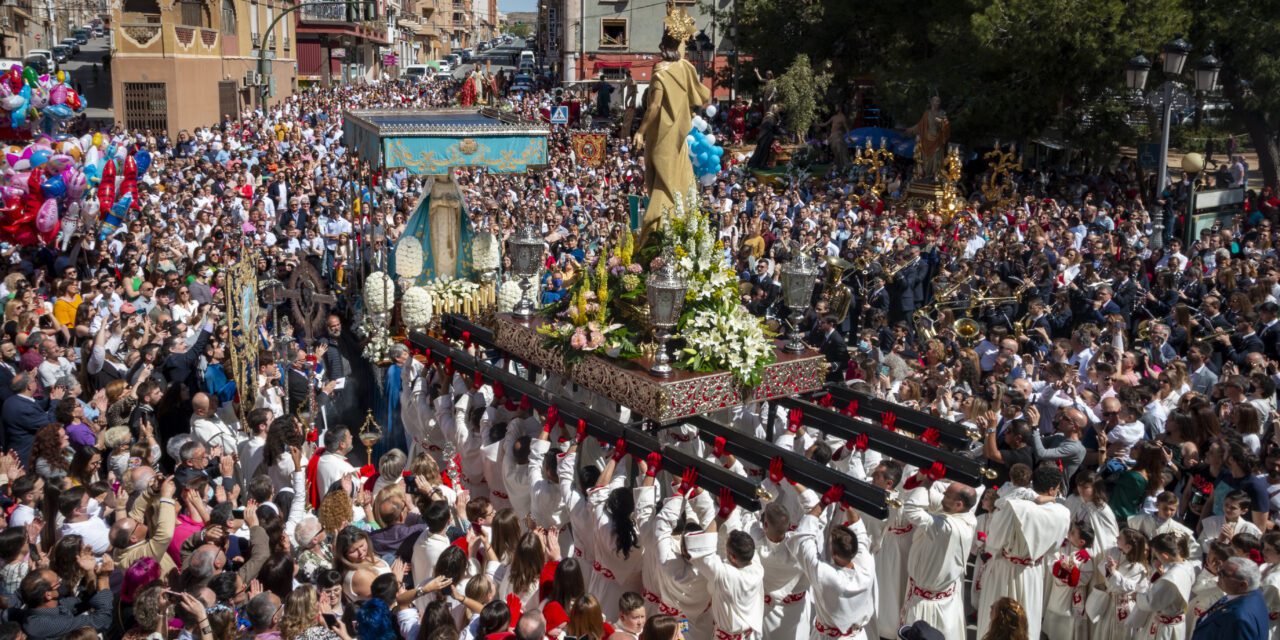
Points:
x=526, y=261
x=797, y=290
x=665, y=292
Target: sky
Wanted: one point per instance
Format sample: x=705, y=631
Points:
x=507, y=6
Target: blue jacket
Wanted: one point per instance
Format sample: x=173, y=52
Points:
x=22, y=418
x=1244, y=618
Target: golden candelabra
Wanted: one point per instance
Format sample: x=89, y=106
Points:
x=998, y=189
x=873, y=160
x=370, y=434
x=951, y=200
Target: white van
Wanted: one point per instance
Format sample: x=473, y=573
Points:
x=418, y=72
x=526, y=59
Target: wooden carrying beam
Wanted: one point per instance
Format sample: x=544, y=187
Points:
x=952, y=434
x=858, y=494
x=454, y=324
x=895, y=445
x=711, y=477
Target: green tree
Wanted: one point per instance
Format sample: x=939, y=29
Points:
x=520, y=30
x=1245, y=36
x=799, y=90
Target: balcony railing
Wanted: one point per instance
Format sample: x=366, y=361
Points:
x=325, y=13
x=256, y=39
x=271, y=41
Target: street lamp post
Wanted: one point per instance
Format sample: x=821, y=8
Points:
x=1175, y=55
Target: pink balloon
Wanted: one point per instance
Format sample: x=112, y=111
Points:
x=58, y=94
x=76, y=185
x=47, y=217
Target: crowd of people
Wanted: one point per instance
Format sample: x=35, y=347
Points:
x=1122, y=386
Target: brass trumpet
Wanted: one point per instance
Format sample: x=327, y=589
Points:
x=988, y=473
x=893, y=271
x=893, y=502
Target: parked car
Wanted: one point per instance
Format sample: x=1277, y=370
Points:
x=61, y=53
x=50, y=62
x=72, y=44
x=454, y=60
x=522, y=82
x=483, y=46
x=81, y=36
x=445, y=66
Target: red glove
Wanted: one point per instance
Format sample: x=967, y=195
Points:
x=688, y=480
x=654, y=460
x=833, y=495
x=936, y=471
x=466, y=340
x=727, y=505
x=426, y=353
x=776, y=472
x=553, y=414
x=718, y=447
x=888, y=419
x=477, y=380
x=827, y=401
x=930, y=437
x=619, y=450
x=860, y=443
x=851, y=409
x=448, y=366
x=793, y=420
x=582, y=431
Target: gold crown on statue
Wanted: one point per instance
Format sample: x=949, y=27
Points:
x=678, y=24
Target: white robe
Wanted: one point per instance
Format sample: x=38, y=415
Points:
x=891, y=570
x=615, y=574
x=1064, y=615
x=844, y=599
x=1204, y=592
x=1211, y=527
x=1151, y=527
x=737, y=593
x=935, y=565
x=786, y=603
x=415, y=411
x=1164, y=605
x=519, y=478
x=672, y=586
x=1103, y=519
x=1026, y=531
x=1271, y=593
x=546, y=499
x=1123, y=585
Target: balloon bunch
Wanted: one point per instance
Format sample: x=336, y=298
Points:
x=31, y=98
x=703, y=152
x=60, y=183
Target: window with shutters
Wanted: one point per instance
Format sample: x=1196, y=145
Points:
x=193, y=13
x=613, y=32
x=228, y=17
x=146, y=106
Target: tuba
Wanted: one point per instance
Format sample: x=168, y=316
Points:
x=967, y=331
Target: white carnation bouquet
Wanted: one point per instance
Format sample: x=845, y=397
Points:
x=379, y=340
x=379, y=293
x=733, y=340
x=486, y=255
x=447, y=290
x=416, y=308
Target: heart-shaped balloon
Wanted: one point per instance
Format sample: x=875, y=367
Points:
x=76, y=185
x=47, y=218
x=143, y=161
x=58, y=94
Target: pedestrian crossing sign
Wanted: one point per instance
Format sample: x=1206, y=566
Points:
x=560, y=114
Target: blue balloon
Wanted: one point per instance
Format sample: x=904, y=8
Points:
x=121, y=207
x=54, y=186
x=59, y=111
x=17, y=117
x=92, y=174
x=143, y=159
x=718, y=151
x=39, y=156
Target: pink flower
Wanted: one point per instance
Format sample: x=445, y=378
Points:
x=655, y=264
x=597, y=340
x=578, y=340
x=634, y=268
x=614, y=261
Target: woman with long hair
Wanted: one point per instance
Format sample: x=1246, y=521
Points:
x=74, y=563
x=1126, y=574
x=1164, y=605
x=1132, y=487
x=586, y=620
x=661, y=628
x=283, y=433
x=50, y=453
x=1008, y=621
x=435, y=618
x=353, y=555
x=1089, y=502
x=525, y=569
x=567, y=586
x=302, y=619
x=85, y=468
x=617, y=543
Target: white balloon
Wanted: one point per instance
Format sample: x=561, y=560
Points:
x=711, y=111
x=708, y=179
x=699, y=123
x=711, y=139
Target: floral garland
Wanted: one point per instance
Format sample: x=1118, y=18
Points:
x=379, y=293
x=416, y=308
x=581, y=327
x=719, y=333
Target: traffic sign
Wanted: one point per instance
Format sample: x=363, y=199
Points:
x=1149, y=155
x=560, y=114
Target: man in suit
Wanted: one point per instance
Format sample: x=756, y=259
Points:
x=182, y=361
x=1241, y=614
x=8, y=369
x=1104, y=306
x=23, y=414
x=1245, y=340
x=299, y=380
x=1203, y=377
x=1270, y=331
x=902, y=287
x=835, y=349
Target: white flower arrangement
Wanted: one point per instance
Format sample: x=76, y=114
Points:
x=416, y=308
x=509, y=294
x=408, y=257
x=379, y=292
x=447, y=290
x=379, y=340
x=733, y=341
x=486, y=254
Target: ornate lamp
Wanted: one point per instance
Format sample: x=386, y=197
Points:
x=526, y=256
x=1206, y=71
x=797, y=289
x=1135, y=72
x=665, y=292
x=370, y=433
x=1175, y=55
